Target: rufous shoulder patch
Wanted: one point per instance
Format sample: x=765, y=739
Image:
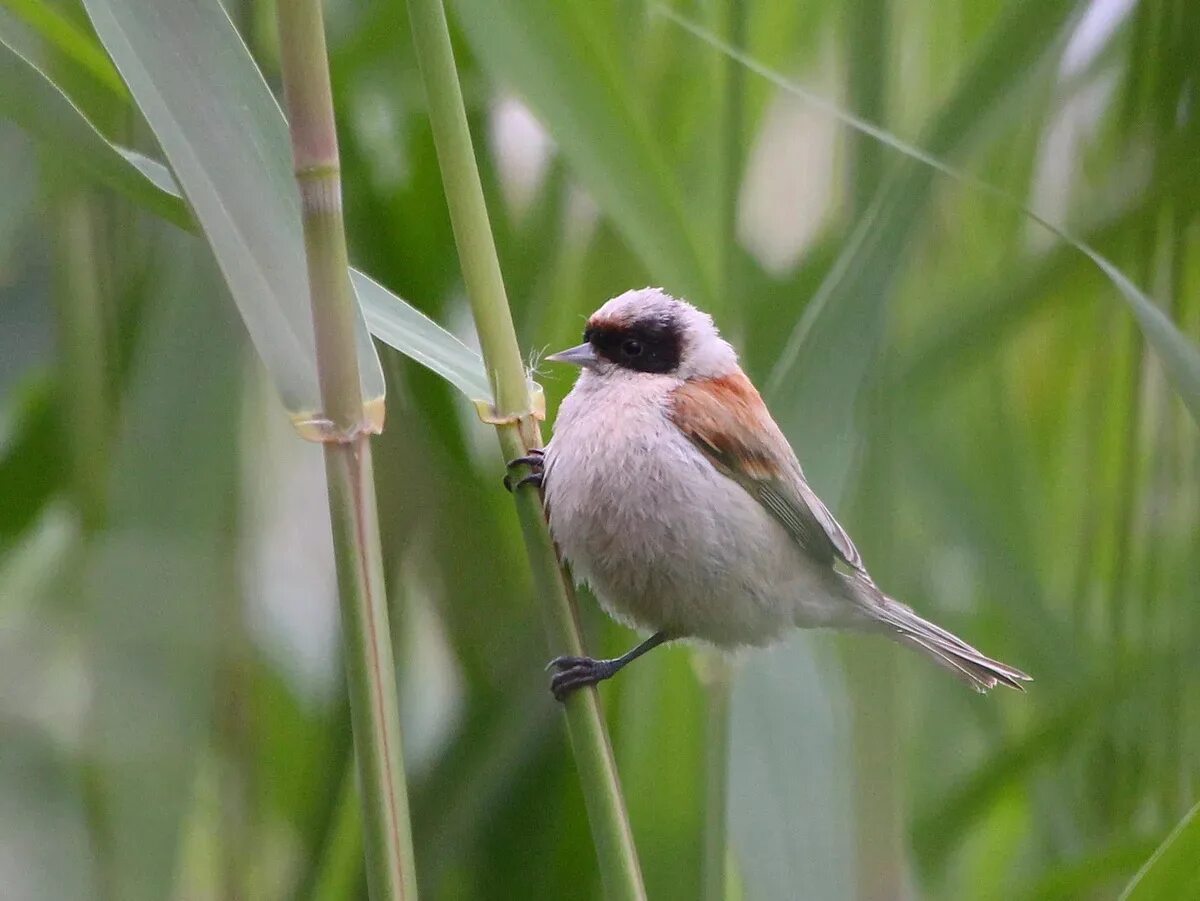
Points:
x=727, y=416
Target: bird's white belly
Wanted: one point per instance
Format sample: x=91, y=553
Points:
x=668, y=542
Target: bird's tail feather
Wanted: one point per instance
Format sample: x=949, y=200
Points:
x=946, y=649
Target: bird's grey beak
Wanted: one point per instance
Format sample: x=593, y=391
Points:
x=584, y=355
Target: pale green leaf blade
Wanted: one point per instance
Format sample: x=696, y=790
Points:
x=73, y=43
x=1173, y=871
x=157, y=174
x=415, y=335
x=790, y=798
x=155, y=575
x=226, y=140
x=39, y=106
x=34, y=102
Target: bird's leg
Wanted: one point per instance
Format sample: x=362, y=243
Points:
x=571, y=673
x=535, y=460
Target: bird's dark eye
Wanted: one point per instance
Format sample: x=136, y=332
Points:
x=631, y=347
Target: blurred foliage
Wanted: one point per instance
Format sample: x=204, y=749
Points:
x=970, y=394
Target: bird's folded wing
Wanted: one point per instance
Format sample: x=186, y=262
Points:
x=728, y=421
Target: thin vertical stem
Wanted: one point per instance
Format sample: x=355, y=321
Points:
x=517, y=431
x=82, y=343
x=871, y=672
x=82, y=389
x=367, y=638
x=866, y=52
x=309, y=99
x=731, y=25
x=872, y=676
x=729, y=128
x=719, y=690
x=233, y=741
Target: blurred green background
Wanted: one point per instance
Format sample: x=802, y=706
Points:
x=969, y=393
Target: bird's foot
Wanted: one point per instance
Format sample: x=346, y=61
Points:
x=535, y=460
x=572, y=673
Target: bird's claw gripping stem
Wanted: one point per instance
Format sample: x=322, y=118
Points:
x=535, y=460
x=573, y=673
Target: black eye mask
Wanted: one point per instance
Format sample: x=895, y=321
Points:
x=652, y=345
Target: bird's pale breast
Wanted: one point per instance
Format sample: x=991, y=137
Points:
x=664, y=539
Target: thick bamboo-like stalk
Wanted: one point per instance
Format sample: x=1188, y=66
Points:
x=518, y=431
x=370, y=670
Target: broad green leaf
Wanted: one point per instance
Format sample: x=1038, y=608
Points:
x=570, y=76
x=227, y=143
x=156, y=575
x=30, y=99
x=1173, y=871
x=73, y=43
x=790, y=807
x=43, y=109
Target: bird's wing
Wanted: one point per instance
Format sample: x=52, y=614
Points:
x=727, y=420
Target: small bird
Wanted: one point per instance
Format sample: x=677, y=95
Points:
x=673, y=494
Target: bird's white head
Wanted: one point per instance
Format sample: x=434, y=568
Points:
x=649, y=332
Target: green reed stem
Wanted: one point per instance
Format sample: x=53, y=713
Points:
x=370, y=670
x=730, y=90
x=872, y=672
x=82, y=344
x=493, y=321
x=719, y=697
